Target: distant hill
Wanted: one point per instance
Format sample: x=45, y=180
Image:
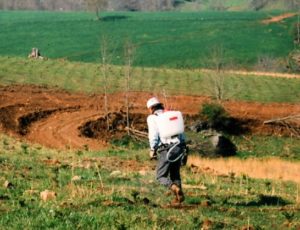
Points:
x=152, y=5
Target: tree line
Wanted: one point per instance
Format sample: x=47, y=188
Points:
x=138, y=5
x=79, y=5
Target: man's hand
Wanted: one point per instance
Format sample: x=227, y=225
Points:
x=152, y=154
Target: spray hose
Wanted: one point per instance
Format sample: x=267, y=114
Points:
x=170, y=150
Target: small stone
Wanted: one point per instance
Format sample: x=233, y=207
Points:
x=76, y=178
x=116, y=173
x=7, y=184
x=205, y=203
x=142, y=172
x=47, y=195
x=207, y=224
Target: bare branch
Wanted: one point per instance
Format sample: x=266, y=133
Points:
x=282, y=119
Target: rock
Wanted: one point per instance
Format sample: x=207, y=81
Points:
x=142, y=172
x=207, y=224
x=8, y=184
x=76, y=178
x=205, y=203
x=47, y=195
x=214, y=145
x=223, y=146
x=116, y=173
x=199, y=126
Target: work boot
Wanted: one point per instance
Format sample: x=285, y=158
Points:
x=179, y=197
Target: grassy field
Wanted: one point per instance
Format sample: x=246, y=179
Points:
x=87, y=77
x=172, y=39
x=115, y=189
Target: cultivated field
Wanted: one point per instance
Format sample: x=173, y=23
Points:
x=60, y=168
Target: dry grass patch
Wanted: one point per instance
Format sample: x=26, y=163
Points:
x=271, y=168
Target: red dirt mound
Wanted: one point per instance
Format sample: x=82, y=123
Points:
x=59, y=119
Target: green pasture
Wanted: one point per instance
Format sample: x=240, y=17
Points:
x=130, y=199
x=88, y=77
x=165, y=40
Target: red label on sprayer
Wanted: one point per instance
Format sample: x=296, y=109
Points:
x=173, y=118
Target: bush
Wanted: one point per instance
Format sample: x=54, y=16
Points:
x=214, y=114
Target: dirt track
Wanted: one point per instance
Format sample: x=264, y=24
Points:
x=52, y=117
x=278, y=18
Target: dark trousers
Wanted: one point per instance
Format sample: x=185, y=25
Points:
x=168, y=173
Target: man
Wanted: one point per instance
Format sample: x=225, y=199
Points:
x=169, y=150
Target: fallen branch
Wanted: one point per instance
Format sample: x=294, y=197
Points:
x=292, y=128
x=281, y=119
x=137, y=132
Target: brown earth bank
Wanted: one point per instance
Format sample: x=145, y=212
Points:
x=63, y=120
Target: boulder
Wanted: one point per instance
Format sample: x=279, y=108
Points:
x=8, y=185
x=214, y=145
x=47, y=195
x=76, y=178
x=198, y=126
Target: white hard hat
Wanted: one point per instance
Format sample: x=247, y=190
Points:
x=152, y=101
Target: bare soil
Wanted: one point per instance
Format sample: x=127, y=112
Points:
x=62, y=120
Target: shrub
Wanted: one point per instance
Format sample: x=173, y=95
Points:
x=214, y=114
x=215, y=117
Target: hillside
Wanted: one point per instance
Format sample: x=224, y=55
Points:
x=54, y=176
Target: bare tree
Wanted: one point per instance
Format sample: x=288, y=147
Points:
x=9, y=5
x=218, y=5
x=298, y=30
x=217, y=77
x=129, y=51
x=131, y=5
x=97, y=6
x=106, y=57
x=268, y=63
x=169, y=4
x=258, y=4
x=292, y=4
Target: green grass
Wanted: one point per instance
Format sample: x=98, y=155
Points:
x=266, y=146
x=170, y=39
x=87, y=77
x=258, y=146
x=130, y=200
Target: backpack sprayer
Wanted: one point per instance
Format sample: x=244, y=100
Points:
x=170, y=124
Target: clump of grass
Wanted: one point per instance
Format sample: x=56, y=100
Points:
x=24, y=148
x=131, y=142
